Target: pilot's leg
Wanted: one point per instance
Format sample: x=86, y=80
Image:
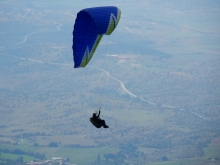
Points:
x=103, y=124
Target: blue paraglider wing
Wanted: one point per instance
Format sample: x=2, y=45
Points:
x=90, y=25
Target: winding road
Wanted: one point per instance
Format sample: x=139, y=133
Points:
x=130, y=30
x=25, y=38
x=121, y=83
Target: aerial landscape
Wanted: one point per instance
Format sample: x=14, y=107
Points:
x=156, y=79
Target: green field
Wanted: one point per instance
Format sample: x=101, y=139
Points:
x=76, y=155
x=185, y=162
x=88, y=155
x=14, y=157
x=211, y=152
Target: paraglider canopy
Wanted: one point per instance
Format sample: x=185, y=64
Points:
x=90, y=25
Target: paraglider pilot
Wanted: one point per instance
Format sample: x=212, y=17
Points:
x=97, y=122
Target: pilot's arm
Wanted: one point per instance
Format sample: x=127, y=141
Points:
x=98, y=114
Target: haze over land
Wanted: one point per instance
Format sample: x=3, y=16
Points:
x=156, y=79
